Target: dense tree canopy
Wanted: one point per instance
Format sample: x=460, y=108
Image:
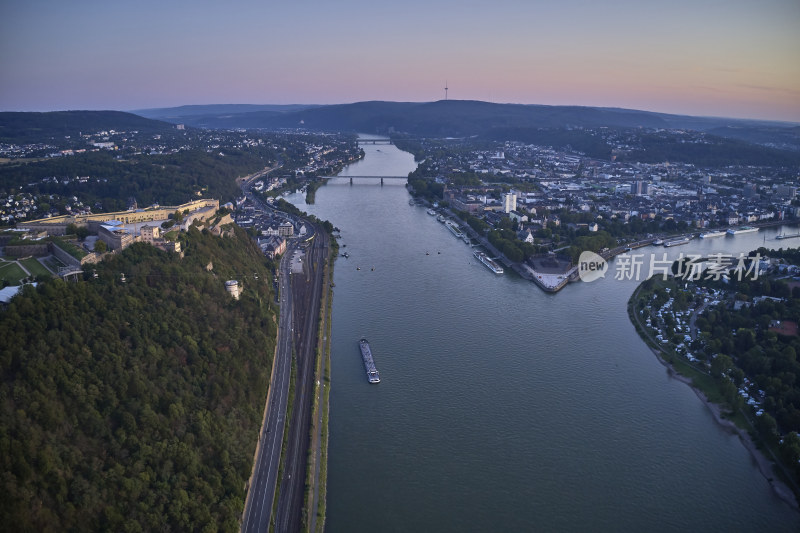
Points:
x=169, y=179
x=129, y=406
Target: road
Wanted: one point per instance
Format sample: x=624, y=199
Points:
x=300, y=297
x=261, y=494
x=693, y=320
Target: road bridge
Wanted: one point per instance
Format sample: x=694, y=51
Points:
x=367, y=177
x=375, y=141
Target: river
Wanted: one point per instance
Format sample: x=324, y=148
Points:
x=505, y=408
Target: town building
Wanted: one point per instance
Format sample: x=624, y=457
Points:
x=58, y=225
x=273, y=246
x=286, y=229
x=115, y=235
x=149, y=234
x=509, y=202
x=639, y=188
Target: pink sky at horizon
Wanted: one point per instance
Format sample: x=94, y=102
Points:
x=708, y=57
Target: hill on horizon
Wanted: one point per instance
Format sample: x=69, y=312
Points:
x=463, y=118
x=23, y=127
x=200, y=115
x=564, y=126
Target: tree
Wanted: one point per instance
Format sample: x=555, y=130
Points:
x=767, y=425
x=720, y=365
x=162, y=395
x=82, y=232
x=100, y=246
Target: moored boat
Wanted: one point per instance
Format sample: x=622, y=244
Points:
x=490, y=263
x=454, y=229
x=741, y=229
x=677, y=242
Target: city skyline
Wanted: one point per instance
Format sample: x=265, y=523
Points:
x=708, y=58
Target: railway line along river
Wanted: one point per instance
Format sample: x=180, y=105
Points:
x=505, y=408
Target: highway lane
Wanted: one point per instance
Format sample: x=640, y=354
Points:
x=263, y=482
x=260, y=496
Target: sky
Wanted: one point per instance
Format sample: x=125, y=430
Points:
x=729, y=58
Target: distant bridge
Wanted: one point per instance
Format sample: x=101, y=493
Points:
x=374, y=141
x=367, y=178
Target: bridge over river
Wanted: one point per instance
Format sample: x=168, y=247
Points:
x=374, y=141
x=368, y=177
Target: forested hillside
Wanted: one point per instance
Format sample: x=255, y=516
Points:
x=37, y=127
x=135, y=406
x=168, y=179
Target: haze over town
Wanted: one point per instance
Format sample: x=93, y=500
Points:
x=710, y=58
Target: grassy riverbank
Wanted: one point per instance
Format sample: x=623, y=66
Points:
x=322, y=480
x=314, y=500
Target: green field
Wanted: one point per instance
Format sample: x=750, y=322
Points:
x=35, y=267
x=11, y=273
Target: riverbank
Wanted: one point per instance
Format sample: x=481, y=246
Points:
x=437, y=315
x=765, y=465
x=548, y=282
x=317, y=469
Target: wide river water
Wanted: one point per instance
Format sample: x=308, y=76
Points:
x=502, y=407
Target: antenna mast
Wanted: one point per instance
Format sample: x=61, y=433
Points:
x=445, y=90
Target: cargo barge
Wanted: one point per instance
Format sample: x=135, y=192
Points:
x=709, y=234
x=369, y=364
x=490, y=263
